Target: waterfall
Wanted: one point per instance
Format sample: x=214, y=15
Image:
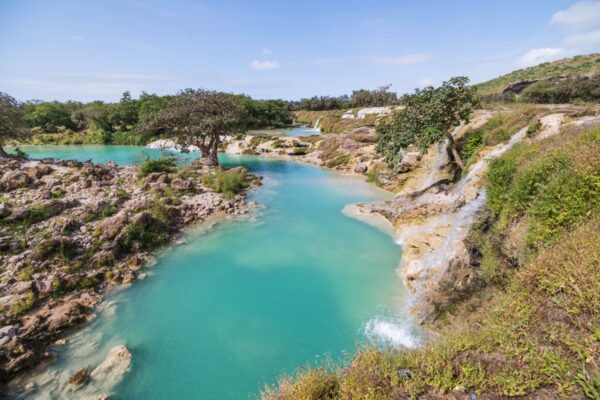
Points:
x=317, y=127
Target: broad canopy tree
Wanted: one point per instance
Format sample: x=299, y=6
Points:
x=430, y=116
x=199, y=118
x=11, y=126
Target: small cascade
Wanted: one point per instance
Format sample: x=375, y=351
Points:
x=441, y=160
x=317, y=122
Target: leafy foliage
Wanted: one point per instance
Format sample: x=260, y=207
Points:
x=199, y=118
x=166, y=164
x=10, y=121
x=359, y=98
x=429, y=116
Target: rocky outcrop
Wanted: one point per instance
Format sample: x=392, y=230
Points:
x=71, y=228
x=518, y=87
x=433, y=219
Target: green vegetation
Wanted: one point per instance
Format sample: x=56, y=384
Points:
x=339, y=160
x=359, y=98
x=429, y=116
x=567, y=90
x=229, y=182
x=122, y=122
x=498, y=129
x=58, y=193
x=199, y=118
x=554, y=184
x=11, y=125
x=25, y=304
x=576, y=66
x=148, y=229
x=165, y=164
x=331, y=121
x=536, y=331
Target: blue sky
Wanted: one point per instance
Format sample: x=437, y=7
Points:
x=86, y=49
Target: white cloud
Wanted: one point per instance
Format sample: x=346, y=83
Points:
x=536, y=56
x=583, y=39
x=77, y=39
x=400, y=60
x=264, y=65
x=580, y=16
x=266, y=51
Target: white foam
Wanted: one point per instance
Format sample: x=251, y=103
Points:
x=389, y=331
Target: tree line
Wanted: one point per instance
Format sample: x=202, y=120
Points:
x=128, y=114
x=359, y=98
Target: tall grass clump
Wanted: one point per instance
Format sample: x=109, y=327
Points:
x=229, y=182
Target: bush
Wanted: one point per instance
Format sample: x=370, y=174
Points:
x=229, y=182
x=339, y=160
x=25, y=304
x=166, y=164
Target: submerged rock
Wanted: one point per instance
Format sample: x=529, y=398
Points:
x=114, y=366
x=80, y=377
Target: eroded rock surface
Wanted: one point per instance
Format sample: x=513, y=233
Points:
x=71, y=228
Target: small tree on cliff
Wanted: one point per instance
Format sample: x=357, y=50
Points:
x=199, y=118
x=430, y=116
x=11, y=126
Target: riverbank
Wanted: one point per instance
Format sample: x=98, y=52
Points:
x=283, y=276
x=71, y=229
x=502, y=263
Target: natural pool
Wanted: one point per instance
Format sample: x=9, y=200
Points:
x=241, y=303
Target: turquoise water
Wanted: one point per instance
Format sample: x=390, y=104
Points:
x=241, y=303
x=302, y=131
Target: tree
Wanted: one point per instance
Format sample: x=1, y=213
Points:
x=10, y=121
x=199, y=118
x=48, y=116
x=430, y=115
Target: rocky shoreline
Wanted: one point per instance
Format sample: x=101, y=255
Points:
x=69, y=229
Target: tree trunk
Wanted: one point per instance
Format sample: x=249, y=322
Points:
x=456, y=157
x=209, y=152
x=3, y=153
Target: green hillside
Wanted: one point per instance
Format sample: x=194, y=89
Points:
x=578, y=65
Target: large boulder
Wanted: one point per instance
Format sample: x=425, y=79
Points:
x=361, y=168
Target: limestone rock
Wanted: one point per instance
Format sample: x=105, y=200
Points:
x=12, y=180
x=114, y=366
x=361, y=168
x=181, y=184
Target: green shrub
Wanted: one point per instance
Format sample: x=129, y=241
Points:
x=25, y=304
x=37, y=213
x=229, y=182
x=58, y=193
x=25, y=274
x=166, y=164
x=339, y=160
x=470, y=146
x=568, y=200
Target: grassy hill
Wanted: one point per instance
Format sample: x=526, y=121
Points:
x=578, y=65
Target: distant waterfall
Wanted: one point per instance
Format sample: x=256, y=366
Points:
x=317, y=127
